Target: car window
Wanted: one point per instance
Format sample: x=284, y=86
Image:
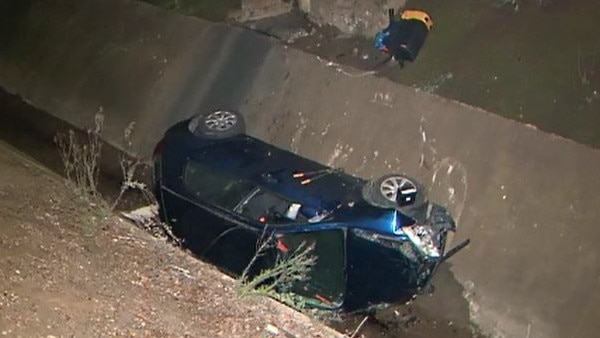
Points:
x=215, y=187
x=327, y=279
x=267, y=207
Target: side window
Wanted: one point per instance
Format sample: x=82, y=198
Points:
x=267, y=207
x=214, y=187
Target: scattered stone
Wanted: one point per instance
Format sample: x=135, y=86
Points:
x=364, y=17
x=261, y=9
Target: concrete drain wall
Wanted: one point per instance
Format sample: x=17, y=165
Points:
x=527, y=199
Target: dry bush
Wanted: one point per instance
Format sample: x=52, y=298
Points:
x=81, y=158
x=130, y=166
x=276, y=282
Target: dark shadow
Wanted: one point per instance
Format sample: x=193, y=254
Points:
x=13, y=15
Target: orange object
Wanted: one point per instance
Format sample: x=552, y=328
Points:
x=322, y=299
x=418, y=15
x=281, y=246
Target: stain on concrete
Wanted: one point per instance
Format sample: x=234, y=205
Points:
x=297, y=137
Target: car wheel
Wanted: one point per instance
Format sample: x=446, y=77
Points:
x=217, y=124
x=383, y=191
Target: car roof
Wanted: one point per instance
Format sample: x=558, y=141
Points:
x=266, y=165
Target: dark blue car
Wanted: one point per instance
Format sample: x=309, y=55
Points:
x=376, y=242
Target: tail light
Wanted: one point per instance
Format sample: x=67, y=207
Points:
x=159, y=149
x=157, y=159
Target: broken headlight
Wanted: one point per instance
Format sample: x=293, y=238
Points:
x=424, y=238
x=402, y=245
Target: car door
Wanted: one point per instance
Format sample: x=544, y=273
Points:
x=325, y=282
x=325, y=286
x=199, y=204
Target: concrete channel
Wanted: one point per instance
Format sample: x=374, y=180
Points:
x=527, y=199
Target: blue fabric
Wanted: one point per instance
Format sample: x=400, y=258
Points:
x=381, y=39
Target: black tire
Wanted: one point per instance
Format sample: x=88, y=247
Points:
x=380, y=193
x=217, y=124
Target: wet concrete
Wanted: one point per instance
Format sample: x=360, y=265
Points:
x=526, y=198
x=538, y=64
x=535, y=63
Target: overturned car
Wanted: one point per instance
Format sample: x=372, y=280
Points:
x=375, y=242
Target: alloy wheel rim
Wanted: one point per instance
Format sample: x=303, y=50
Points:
x=390, y=186
x=220, y=120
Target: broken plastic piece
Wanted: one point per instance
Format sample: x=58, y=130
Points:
x=292, y=211
x=281, y=246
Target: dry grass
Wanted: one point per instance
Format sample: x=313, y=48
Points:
x=81, y=158
x=275, y=282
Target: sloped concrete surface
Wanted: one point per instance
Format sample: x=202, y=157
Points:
x=531, y=269
x=528, y=200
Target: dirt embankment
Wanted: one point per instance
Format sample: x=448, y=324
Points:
x=67, y=270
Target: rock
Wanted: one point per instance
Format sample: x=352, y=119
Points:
x=261, y=9
x=364, y=17
x=144, y=215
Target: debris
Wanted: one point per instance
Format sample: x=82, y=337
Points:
x=359, y=327
x=143, y=215
x=272, y=329
x=404, y=36
x=275, y=331
x=183, y=271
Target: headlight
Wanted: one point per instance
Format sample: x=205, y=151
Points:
x=403, y=244
x=423, y=238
